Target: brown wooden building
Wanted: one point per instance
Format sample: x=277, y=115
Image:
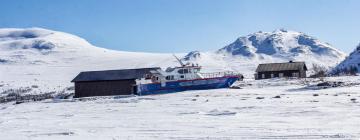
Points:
x=273, y=70
x=110, y=82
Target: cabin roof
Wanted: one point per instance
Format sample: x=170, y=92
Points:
x=281, y=66
x=111, y=75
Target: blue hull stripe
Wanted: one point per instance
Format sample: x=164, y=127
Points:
x=177, y=86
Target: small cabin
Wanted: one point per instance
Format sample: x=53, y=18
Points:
x=109, y=82
x=279, y=70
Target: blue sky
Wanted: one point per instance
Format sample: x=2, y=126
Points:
x=185, y=25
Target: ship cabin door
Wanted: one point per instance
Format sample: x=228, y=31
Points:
x=134, y=89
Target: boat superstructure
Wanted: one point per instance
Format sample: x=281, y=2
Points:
x=184, y=77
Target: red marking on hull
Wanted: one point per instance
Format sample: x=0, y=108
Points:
x=197, y=79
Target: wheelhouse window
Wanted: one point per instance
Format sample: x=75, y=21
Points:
x=147, y=76
x=186, y=71
x=183, y=71
x=154, y=78
x=169, y=77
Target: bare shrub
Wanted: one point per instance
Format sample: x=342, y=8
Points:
x=319, y=72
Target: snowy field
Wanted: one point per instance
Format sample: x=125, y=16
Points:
x=266, y=109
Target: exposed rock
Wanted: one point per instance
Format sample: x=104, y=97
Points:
x=278, y=96
x=235, y=87
x=260, y=98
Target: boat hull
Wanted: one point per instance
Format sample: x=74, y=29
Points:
x=177, y=86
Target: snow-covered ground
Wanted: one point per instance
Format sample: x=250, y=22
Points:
x=300, y=111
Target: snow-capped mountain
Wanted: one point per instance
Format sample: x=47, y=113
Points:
x=192, y=56
x=280, y=43
x=277, y=46
x=36, y=46
x=40, y=46
x=351, y=62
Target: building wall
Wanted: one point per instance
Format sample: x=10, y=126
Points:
x=104, y=88
x=301, y=74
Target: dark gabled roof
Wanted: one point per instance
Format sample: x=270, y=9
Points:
x=111, y=75
x=281, y=66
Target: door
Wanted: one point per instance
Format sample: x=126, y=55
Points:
x=134, y=89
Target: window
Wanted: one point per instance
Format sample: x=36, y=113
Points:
x=272, y=75
x=183, y=71
x=147, y=76
x=169, y=77
x=295, y=74
x=263, y=76
x=186, y=71
x=281, y=75
x=182, y=76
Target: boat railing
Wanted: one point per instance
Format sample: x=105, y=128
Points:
x=220, y=74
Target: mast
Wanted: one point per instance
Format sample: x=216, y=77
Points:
x=181, y=63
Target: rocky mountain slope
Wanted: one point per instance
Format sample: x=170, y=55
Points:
x=352, y=62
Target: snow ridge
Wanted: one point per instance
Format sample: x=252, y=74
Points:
x=280, y=43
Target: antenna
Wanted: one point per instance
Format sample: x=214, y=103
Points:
x=181, y=63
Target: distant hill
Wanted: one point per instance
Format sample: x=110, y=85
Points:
x=50, y=59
